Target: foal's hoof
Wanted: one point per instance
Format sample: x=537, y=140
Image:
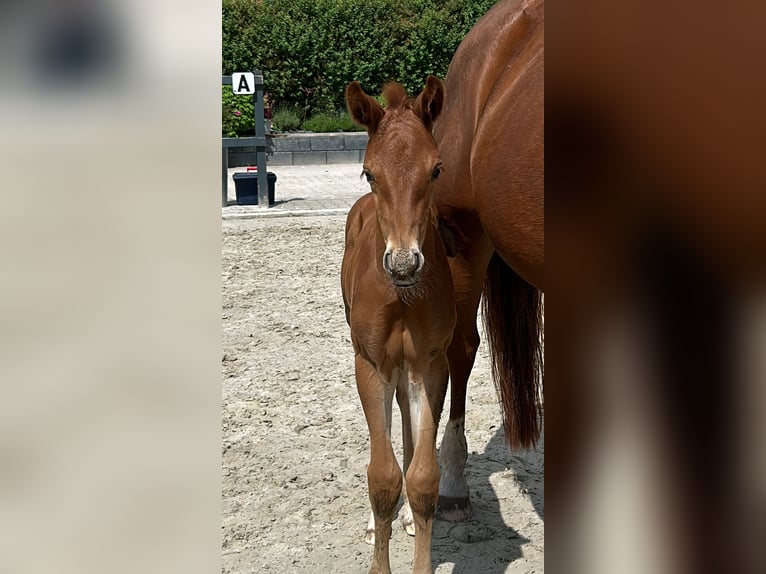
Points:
x=454, y=509
x=408, y=522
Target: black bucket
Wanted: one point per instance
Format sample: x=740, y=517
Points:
x=246, y=185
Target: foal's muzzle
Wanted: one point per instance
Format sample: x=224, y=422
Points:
x=403, y=266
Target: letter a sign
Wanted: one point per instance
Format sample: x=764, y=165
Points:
x=243, y=83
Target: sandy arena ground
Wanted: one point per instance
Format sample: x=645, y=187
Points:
x=295, y=445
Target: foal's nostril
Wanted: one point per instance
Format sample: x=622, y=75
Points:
x=420, y=261
x=387, y=261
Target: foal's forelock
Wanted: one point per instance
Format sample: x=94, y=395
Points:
x=396, y=96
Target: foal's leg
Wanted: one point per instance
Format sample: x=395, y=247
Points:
x=426, y=397
x=384, y=477
x=402, y=398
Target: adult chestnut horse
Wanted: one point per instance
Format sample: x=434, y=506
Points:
x=398, y=295
x=490, y=138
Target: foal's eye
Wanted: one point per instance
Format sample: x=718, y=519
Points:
x=368, y=175
x=436, y=172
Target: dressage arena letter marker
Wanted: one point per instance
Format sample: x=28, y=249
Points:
x=243, y=83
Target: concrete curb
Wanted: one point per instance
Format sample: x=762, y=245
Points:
x=271, y=213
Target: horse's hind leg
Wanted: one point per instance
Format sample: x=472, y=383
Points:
x=384, y=476
x=454, y=496
x=468, y=269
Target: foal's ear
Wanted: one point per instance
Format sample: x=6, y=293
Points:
x=429, y=104
x=363, y=109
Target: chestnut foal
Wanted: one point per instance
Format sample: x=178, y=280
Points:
x=398, y=294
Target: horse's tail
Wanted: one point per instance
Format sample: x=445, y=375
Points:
x=512, y=314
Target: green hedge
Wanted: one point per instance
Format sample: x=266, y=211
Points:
x=310, y=49
x=237, y=118
x=326, y=122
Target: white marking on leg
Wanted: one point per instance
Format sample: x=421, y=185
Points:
x=369, y=537
x=405, y=392
x=453, y=455
x=416, y=394
x=417, y=399
x=388, y=399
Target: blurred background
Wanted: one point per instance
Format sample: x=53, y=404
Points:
x=656, y=318
x=110, y=290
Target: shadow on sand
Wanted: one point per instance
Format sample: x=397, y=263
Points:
x=485, y=543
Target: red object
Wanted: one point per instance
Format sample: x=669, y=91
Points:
x=252, y=168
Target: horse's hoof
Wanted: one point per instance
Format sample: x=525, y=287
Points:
x=409, y=525
x=408, y=522
x=454, y=509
